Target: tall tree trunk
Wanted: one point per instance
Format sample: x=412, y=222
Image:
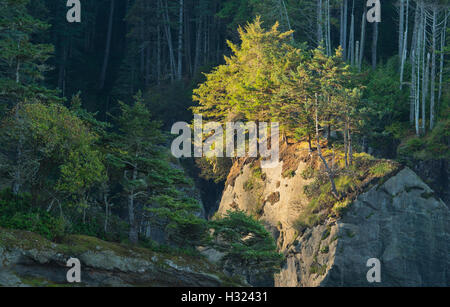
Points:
x=433, y=67
x=417, y=22
x=341, y=24
x=424, y=67
x=133, y=233
x=287, y=18
x=105, y=200
x=415, y=56
x=108, y=45
x=351, y=43
x=412, y=88
x=403, y=59
x=350, y=147
x=168, y=33
x=417, y=96
x=62, y=69
x=180, y=41
x=363, y=34
x=404, y=46
x=425, y=93
x=187, y=40
x=328, y=28
x=346, y=143
x=198, y=45
x=17, y=180
x=401, y=31
x=158, y=55
x=374, y=45
x=344, y=46
x=357, y=54
x=441, y=68
x=319, y=23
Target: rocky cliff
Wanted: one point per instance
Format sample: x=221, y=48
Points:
x=27, y=259
x=397, y=220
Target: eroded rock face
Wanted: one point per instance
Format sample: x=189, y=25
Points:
x=400, y=222
x=27, y=259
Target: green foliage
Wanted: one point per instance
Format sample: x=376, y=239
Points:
x=308, y=218
x=340, y=207
x=325, y=249
x=22, y=61
x=381, y=169
x=246, y=242
x=257, y=172
x=215, y=168
x=308, y=173
x=384, y=107
x=318, y=269
x=435, y=145
x=179, y=218
x=60, y=153
x=16, y=212
x=290, y=173
x=246, y=86
x=249, y=185
x=347, y=184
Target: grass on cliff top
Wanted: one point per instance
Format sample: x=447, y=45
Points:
x=350, y=181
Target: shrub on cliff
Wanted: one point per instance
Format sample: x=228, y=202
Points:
x=246, y=243
x=16, y=212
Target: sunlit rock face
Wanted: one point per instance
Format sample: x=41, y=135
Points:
x=400, y=222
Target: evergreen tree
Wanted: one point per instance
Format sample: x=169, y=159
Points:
x=22, y=61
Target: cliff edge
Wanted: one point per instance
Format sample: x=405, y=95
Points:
x=397, y=219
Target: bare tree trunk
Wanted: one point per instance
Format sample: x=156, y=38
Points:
x=108, y=45
x=433, y=67
x=180, y=42
x=133, y=233
x=404, y=46
x=413, y=88
x=403, y=59
x=168, y=33
x=62, y=69
x=417, y=22
x=158, y=55
x=417, y=97
x=415, y=56
x=351, y=44
x=198, y=45
x=441, y=68
x=319, y=23
x=424, y=67
x=374, y=45
x=346, y=144
x=425, y=85
x=328, y=28
x=357, y=54
x=283, y=11
x=341, y=24
x=105, y=199
x=344, y=46
x=350, y=147
x=401, y=28
x=363, y=34
x=420, y=65
x=17, y=175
